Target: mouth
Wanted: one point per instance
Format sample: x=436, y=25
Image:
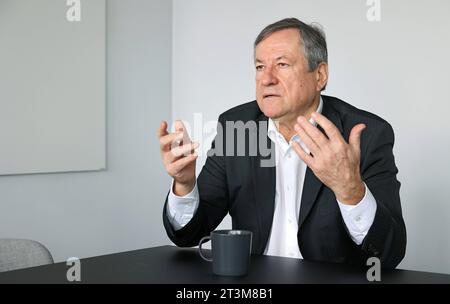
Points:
x=266, y=96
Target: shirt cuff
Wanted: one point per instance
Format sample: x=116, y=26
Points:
x=359, y=218
x=181, y=209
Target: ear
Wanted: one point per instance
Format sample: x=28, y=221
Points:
x=321, y=76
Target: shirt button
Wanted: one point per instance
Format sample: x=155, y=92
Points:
x=288, y=188
x=289, y=221
x=289, y=155
x=358, y=218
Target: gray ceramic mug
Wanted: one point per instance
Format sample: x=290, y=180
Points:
x=231, y=250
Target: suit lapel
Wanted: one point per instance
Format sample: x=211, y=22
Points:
x=312, y=184
x=311, y=188
x=264, y=181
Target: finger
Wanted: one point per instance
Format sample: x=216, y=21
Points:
x=162, y=131
x=355, y=136
x=179, y=127
x=308, y=159
x=330, y=129
x=318, y=137
x=312, y=146
x=166, y=142
x=184, y=150
x=180, y=164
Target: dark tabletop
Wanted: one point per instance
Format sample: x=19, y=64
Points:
x=169, y=264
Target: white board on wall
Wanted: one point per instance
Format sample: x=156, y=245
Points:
x=52, y=86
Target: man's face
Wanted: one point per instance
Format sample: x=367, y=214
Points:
x=284, y=86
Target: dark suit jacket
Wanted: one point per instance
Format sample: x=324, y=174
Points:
x=239, y=185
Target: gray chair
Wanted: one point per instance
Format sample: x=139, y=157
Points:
x=17, y=254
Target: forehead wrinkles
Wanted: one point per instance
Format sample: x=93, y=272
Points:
x=275, y=50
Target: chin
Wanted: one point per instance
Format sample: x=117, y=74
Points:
x=273, y=114
x=271, y=111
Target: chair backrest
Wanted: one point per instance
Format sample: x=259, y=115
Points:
x=17, y=254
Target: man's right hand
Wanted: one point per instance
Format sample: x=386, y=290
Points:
x=179, y=157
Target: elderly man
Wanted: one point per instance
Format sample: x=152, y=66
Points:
x=332, y=193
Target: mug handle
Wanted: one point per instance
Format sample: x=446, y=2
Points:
x=203, y=240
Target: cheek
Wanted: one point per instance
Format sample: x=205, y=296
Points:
x=309, y=82
x=294, y=87
x=258, y=87
x=302, y=87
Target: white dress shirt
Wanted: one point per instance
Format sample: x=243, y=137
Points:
x=290, y=176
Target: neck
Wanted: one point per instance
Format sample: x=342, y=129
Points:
x=286, y=124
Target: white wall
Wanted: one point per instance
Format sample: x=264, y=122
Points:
x=396, y=68
x=94, y=213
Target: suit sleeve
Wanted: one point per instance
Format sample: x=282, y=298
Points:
x=213, y=191
x=386, y=238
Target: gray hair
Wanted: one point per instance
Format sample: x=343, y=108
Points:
x=312, y=39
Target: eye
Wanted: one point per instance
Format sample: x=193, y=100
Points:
x=259, y=67
x=283, y=65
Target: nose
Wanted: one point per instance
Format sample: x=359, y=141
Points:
x=269, y=78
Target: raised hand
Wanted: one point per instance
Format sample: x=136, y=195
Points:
x=334, y=161
x=178, y=156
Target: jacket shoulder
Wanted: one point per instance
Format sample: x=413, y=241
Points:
x=351, y=114
x=244, y=112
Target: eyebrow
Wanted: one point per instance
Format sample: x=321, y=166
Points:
x=281, y=57
x=278, y=58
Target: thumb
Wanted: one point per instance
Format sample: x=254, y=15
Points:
x=355, y=136
x=162, y=131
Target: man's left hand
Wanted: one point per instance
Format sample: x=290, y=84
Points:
x=334, y=161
